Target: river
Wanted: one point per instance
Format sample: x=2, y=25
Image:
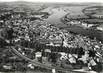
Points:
x=58, y=13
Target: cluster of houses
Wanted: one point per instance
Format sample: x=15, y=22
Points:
x=79, y=49
x=56, y=37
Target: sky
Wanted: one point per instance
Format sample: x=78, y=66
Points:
x=67, y=1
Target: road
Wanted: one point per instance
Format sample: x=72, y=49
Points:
x=54, y=18
x=43, y=65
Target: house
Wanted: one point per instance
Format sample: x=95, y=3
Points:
x=90, y=25
x=38, y=54
x=85, y=24
x=100, y=28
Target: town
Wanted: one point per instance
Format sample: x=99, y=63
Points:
x=28, y=42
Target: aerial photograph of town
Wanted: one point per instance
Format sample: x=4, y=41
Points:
x=38, y=37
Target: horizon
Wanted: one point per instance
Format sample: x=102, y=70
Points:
x=56, y=1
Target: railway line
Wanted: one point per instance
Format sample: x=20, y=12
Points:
x=35, y=63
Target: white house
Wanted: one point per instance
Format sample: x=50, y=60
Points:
x=100, y=28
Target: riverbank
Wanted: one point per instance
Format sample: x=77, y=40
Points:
x=56, y=19
x=77, y=29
